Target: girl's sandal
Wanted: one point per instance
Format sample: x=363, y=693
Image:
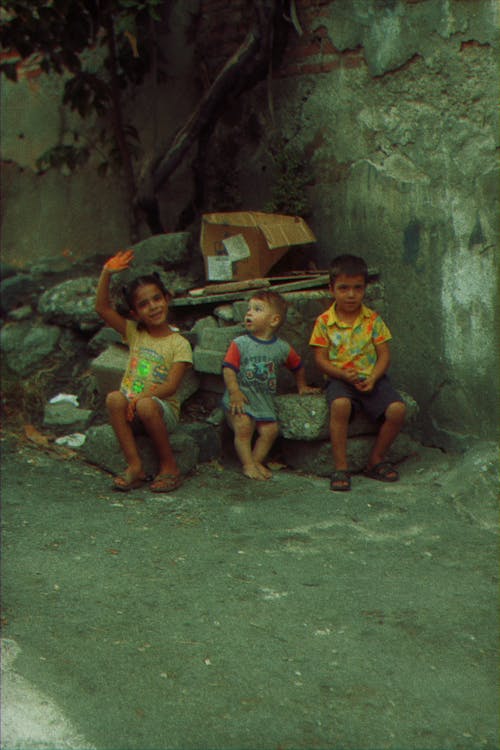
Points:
x=125, y=482
x=166, y=483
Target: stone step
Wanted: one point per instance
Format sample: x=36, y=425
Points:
x=192, y=444
x=307, y=417
x=315, y=456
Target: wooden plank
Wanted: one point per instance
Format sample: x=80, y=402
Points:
x=230, y=286
x=209, y=299
x=297, y=286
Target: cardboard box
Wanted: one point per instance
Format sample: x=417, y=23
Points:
x=245, y=245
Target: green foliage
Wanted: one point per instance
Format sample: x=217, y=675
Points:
x=291, y=178
x=60, y=156
x=101, y=46
x=59, y=32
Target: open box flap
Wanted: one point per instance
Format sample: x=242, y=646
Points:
x=279, y=230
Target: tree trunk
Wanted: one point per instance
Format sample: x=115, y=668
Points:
x=244, y=69
x=119, y=133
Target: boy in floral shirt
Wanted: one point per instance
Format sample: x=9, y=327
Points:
x=351, y=345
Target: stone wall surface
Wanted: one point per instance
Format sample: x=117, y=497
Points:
x=391, y=106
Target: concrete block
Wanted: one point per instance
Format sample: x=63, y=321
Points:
x=218, y=338
x=101, y=448
x=208, y=321
x=207, y=439
x=315, y=457
x=303, y=417
x=108, y=368
x=307, y=417
x=66, y=417
x=208, y=360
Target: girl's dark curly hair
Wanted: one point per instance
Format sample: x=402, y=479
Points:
x=130, y=290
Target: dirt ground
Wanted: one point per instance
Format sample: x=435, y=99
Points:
x=234, y=614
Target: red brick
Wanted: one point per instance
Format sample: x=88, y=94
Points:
x=472, y=44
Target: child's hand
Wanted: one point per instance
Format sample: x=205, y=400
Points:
x=131, y=406
x=120, y=261
x=351, y=375
x=366, y=385
x=237, y=401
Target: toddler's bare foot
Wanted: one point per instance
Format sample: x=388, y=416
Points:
x=252, y=471
x=264, y=471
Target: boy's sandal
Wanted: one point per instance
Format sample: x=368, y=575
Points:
x=340, y=481
x=384, y=472
x=125, y=482
x=166, y=482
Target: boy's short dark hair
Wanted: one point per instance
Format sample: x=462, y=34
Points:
x=275, y=301
x=350, y=265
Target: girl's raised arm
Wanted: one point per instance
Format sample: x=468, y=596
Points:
x=119, y=262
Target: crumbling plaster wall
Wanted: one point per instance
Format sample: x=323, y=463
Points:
x=56, y=211
x=393, y=104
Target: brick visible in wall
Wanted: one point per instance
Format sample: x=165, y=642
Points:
x=313, y=52
x=25, y=69
x=223, y=27
x=473, y=44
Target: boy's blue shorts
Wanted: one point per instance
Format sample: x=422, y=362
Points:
x=374, y=403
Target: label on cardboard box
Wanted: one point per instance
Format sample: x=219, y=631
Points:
x=219, y=268
x=236, y=247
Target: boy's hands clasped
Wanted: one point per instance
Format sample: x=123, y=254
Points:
x=364, y=383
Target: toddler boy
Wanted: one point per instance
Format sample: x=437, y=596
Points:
x=250, y=370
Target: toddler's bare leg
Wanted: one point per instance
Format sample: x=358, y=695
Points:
x=268, y=432
x=117, y=409
x=243, y=427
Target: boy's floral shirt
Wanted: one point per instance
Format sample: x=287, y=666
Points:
x=351, y=346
